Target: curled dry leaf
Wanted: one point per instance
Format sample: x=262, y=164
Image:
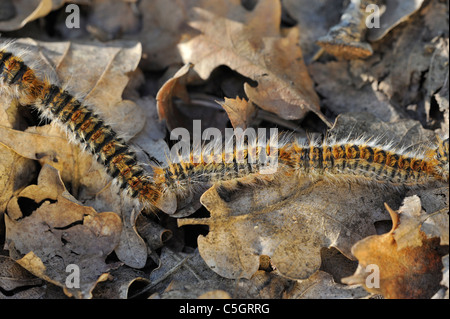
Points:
x=120, y=287
x=240, y=112
x=19, y=13
x=258, y=51
x=154, y=234
x=407, y=263
x=46, y=230
x=174, y=87
x=183, y=112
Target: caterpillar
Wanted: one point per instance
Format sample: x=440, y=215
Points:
x=362, y=160
x=356, y=161
x=80, y=122
x=366, y=161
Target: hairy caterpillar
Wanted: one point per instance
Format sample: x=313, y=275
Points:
x=81, y=124
x=361, y=161
x=358, y=160
x=368, y=161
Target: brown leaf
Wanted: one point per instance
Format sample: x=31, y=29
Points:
x=88, y=180
x=174, y=87
x=413, y=221
x=120, y=285
x=49, y=145
x=289, y=221
x=46, y=226
x=258, y=51
x=404, y=270
x=131, y=248
x=15, y=172
x=240, y=111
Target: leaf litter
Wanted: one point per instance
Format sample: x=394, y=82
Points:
x=263, y=241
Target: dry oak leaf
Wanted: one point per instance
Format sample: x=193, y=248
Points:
x=46, y=230
x=258, y=51
x=414, y=220
x=121, y=286
x=48, y=145
x=289, y=220
x=87, y=179
x=406, y=271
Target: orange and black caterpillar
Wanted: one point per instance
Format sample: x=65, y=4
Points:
x=242, y=164
x=368, y=161
x=80, y=122
x=360, y=161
